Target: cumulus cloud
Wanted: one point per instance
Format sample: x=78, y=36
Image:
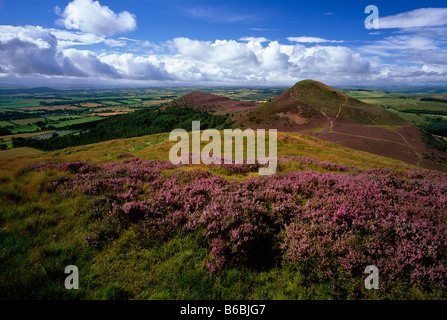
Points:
x=423, y=17
x=254, y=39
x=34, y=51
x=222, y=52
x=416, y=47
x=257, y=62
x=67, y=38
x=329, y=60
x=90, y=64
x=90, y=16
x=137, y=67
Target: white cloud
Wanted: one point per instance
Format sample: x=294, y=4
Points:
x=310, y=40
x=229, y=60
x=329, y=60
x=401, y=44
x=114, y=43
x=137, y=67
x=90, y=64
x=32, y=52
x=222, y=52
x=435, y=68
x=416, y=48
x=423, y=17
x=272, y=58
x=67, y=38
x=90, y=16
x=254, y=39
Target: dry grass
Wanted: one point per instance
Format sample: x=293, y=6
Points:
x=24, y=135
x=90, y=104
x=157, y=147
x=26, y=121
x=61, y=107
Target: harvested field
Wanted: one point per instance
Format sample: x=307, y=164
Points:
x=24, y=135
x=50, y=108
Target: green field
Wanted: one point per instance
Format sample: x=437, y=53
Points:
x=61, y=124
x=427, y=115
x=22, y=122
x=10, y=104
x=5, y=124
x=25, y=128
x=30, y=125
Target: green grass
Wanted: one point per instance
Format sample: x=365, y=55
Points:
x=317, y=129
x=21, y=125
x=76, y=120
x=18, y=103
x=111, y=103
x=41, y=233
x=25, y=128
x=22, y=122
x=58, y=118
x=6, y=124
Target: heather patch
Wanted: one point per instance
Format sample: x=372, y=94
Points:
x=328, y=225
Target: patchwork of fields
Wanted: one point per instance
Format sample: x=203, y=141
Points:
x=23, y=112
x=427, y=111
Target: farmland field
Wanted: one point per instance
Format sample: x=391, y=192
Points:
x=426, y=111
x=26, y=121
x=60, y=109
x=66, y=108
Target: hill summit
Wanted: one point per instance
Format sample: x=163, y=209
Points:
x=311, y=104
x=215, y=103
x=313, y=108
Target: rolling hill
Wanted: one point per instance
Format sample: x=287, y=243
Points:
x=313, y=108
x=214, y=103
x=134, y=223
x=309, y=107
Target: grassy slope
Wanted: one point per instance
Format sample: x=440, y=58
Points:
x=157, y=147
x=328, y=101
x=41, y=233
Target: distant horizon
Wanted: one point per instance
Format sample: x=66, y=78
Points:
x=392, y=88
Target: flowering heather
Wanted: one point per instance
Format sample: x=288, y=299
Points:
x=328, y=224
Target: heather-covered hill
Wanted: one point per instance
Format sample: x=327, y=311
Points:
x=146, y=229
x=313, y=108
x=214, y=103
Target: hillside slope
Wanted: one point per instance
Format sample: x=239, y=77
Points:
x=214, y=103
x=157, y=146
x=145, y=229
x=313, y=108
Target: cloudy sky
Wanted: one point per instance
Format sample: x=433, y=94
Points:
x=211, y=42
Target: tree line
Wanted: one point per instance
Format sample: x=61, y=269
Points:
x=134, y=124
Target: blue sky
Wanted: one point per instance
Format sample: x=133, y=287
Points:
x=152, y=42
